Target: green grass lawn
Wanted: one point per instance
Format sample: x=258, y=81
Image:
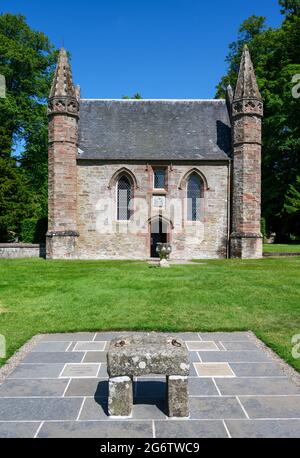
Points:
x=38, y=296
x=278, y=248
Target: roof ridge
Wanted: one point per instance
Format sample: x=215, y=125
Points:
x=153, y=100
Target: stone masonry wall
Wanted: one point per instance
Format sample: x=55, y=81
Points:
x=101, y=237
x=246, y=239
x=21, y=250
x=62, y=173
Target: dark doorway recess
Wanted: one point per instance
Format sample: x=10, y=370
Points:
x=159, y=234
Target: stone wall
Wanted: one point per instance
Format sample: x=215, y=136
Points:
x=102, y=237
x=21, y=250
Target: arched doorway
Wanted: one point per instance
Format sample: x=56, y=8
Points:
x=159, y=233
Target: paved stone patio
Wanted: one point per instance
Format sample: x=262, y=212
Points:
x=236, y=390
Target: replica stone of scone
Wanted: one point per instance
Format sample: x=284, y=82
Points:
x=147, y=354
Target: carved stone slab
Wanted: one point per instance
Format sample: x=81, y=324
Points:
x=136, y=355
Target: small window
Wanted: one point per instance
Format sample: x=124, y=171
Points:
x=124, y=198
x=193, y=198
x=159, y=178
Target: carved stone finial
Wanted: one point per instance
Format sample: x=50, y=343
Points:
x=229, y=94
x=247, y=98
x=77, y=90
x=246, y=87
x=229, y=99
x=63, y=95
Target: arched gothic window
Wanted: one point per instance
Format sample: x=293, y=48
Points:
x=124, y=196
x=194, y=188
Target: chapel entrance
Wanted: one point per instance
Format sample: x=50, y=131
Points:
x=159, y=231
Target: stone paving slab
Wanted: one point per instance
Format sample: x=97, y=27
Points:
x=144, y=409
x=22, y=430
x=200, y=345
x=39, y=409
x=103, y=370
x=202, y=387
x=108, y=336
x=268, y=385
x=95, y=357
x=67, y=337
x=52, y=347
x=252, y=356
x=37, y=371
x=238, y=346
x=53, y=357
x=215, y=408
x=97, y=387
x=267, y=369
x=89, y=346
x=187, y=336
x=271, y=406
x=225, y=336
x=214, y=370
x=236, y=389
x=32, y=387
x=80, y=370
x=190, y=429
x=97, y=429
x=270, y=429
x=194, y=357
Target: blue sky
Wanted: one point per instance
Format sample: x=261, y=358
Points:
x=160, y=48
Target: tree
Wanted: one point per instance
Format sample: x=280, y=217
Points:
x=290, y=7
x=276, y=58
x=249, y=29
x=27, y=61
x=292, y=204
x=136, y=96
x=16, y=201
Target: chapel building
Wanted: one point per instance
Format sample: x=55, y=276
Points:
x=127, y=174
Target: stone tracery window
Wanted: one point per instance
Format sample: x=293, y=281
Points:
x=124, y=196
x=194, y=191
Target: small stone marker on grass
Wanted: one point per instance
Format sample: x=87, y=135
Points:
x=132, y=356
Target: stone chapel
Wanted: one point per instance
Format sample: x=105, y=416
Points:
x=127, y=174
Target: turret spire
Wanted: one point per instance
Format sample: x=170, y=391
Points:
x=246, y=87
x=63, y=95
x=62, y=84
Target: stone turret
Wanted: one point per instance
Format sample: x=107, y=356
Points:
x=247, y=113
x=63, y=111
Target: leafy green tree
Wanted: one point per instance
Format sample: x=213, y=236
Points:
x=292, y=204
x=16, y=201
x=276, y=58
x=27, y=61
x=290, y=7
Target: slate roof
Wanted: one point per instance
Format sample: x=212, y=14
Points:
x=154, y=130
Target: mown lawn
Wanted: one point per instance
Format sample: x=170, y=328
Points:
x=281, y=248
x=38, y=296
